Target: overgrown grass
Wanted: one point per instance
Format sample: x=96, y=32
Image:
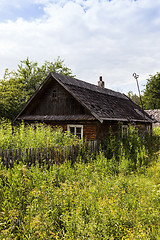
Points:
x=131, y=153
x=115, y=195
x=81, y=201
x=33, y=136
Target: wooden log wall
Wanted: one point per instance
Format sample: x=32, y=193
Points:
x=62, y=104
x=90, y=131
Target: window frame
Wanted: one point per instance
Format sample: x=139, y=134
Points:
x=54, y=94
x=124, y=130
x=75, y=126
x=149, y=129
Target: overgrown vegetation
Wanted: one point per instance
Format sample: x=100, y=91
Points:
x=33, y=136
x=133, y=152
x=79, y=202
x=116, y=195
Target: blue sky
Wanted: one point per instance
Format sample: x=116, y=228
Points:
x=28, y=11
x=94, y=37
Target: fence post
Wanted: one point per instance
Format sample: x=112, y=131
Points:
x=5, y=158
x=9, y=157
x=13, y=156
x=35, y=155
x=1, y=159
x=26, y=156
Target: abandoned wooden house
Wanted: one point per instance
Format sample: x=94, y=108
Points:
x=84, y=109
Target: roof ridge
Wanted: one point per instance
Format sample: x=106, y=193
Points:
x=82, y=84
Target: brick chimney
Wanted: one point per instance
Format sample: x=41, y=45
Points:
x=100, y=82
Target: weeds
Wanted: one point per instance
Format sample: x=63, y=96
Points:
x=33, y=136
x=132, y=153
x=114, y=195
x=79, y=202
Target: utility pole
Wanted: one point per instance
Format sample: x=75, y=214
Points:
x=136, y=76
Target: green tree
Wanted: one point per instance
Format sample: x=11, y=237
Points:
x=151, y=96
x=11, y=93
x=17, y=87
x=134, y=98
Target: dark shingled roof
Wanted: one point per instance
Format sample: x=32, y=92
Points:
x=103, y=104
x=58, y=118
x=70, y=82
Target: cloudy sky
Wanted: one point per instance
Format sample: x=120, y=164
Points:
x=111, y=38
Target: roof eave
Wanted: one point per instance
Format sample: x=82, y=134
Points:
x=126, y=120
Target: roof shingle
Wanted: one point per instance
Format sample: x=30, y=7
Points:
x=103, y=104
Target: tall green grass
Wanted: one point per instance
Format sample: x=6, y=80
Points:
x=133, y=152
x=80, y=201
x=33, y=136
x=114, y=195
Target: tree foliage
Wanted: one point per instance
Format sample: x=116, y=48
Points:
x=134, y=98
x=151, y=96
x=17, y=87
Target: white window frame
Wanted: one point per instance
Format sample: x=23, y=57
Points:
x=75, y=126
x=149, y=129
x=124, y=130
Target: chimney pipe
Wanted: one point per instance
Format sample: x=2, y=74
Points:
x=100, y=82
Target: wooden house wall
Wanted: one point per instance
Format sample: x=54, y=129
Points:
x=94, y=130
x=105, y=128
x=143, y=127
x=89, y=128
x=62, y=104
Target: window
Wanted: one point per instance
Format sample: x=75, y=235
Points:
x=75, y=130
x=124, y=130
x=149, y=129
x=54, y=94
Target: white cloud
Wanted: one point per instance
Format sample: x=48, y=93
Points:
x=112, y=39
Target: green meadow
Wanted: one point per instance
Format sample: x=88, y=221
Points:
x=114, y=194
